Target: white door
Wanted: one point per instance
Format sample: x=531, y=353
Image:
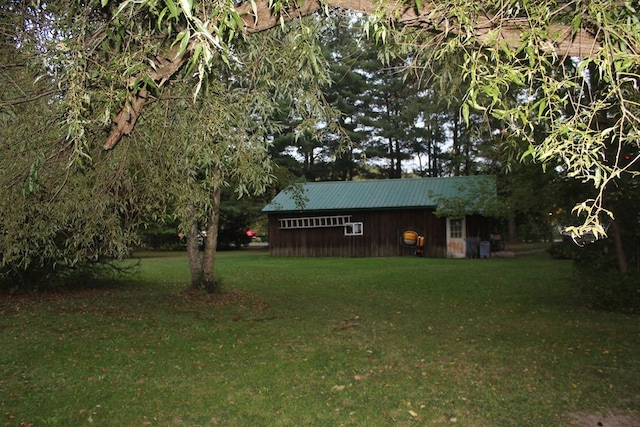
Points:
x=456, y=238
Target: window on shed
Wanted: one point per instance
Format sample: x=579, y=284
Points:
x=456, y=228
x=353, y=229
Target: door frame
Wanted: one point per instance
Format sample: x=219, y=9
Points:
x=456, y=237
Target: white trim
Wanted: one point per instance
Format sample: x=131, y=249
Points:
x=354, y=229
x=456, y=238
x=314, y=222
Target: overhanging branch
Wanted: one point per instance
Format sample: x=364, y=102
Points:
x=563, y=41
x=165, y=66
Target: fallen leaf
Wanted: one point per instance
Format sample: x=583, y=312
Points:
x=413, y=413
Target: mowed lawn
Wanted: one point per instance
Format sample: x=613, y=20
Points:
x=319, y=342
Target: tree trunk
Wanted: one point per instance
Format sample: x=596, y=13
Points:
x=567, y=40
x=513, y=229
x=208, y=262
x=455, y=151
x=398, y=160
x=621, y=256
x=193, y=251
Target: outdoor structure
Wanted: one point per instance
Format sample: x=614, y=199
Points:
x=381, y=218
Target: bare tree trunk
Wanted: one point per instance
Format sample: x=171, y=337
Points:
x=621, y=256
x=193, y=251
x=208, y=262
x=455, y=158
x=398, y=160
x=513, y=229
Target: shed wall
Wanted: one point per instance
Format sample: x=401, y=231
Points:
x=381, y=238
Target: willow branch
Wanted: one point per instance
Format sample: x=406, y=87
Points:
x=563, y=41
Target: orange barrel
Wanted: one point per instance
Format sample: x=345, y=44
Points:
x=421, y=241
x=410, y=238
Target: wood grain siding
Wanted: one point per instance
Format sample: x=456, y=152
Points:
x=478, y=226
x=381, y=238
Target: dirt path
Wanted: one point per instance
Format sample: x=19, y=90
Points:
x=609, y=420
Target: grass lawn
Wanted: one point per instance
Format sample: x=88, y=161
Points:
x=319, y=342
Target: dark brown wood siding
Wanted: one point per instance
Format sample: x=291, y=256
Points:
x=478, y=226
x=381, y=238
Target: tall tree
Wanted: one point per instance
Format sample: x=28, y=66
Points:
x=343, y=47
x=386, y=110
x=223, y=138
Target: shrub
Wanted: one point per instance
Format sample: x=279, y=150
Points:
x=608, y=290
x=597, y=283
x=38, y=277
x=563, y=250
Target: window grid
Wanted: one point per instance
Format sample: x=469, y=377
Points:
x=354, y=229
x=455, y=228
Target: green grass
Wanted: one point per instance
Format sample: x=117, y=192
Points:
x=322, y=342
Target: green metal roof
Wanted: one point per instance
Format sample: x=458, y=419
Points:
x=376, y=194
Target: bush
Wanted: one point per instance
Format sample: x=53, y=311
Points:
x=597, y=283
x=608, y=290
x=162, y=240
x=563, y=250
x=87, y=275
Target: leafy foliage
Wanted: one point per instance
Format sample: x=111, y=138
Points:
x=59, y=212
x=93, y=67
x=579, y=112
x=480, y=196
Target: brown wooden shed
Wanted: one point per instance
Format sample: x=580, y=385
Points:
x=369, y=218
